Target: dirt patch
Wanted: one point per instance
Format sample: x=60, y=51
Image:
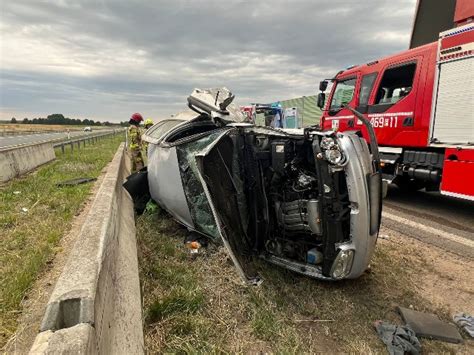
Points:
x=34, y=303
x=443, y=278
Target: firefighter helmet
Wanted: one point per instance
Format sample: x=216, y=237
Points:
x=148, y=122
x=136, y=117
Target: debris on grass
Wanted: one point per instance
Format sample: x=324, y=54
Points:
x=399, y=339
x=429, y=326
x=76, y=181
x=466, y=322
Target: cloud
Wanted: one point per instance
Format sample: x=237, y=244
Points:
x=106, y=59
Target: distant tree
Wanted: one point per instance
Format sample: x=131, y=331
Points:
x=13, y=120
x=26, y=120
x=56, y=118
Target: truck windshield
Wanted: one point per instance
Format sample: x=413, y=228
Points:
x=342, y=94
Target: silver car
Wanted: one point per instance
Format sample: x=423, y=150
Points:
x=306, y=200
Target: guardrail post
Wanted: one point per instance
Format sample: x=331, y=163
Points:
x=72, y=146
x=62, y=148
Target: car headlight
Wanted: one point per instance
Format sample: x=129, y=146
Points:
x=334, y=156
x=342, y=265
x=327, y=143
x=332, y=151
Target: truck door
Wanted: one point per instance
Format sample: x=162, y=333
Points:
x=393, y=107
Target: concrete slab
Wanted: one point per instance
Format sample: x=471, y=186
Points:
x=96, y=303
x=20, y=160
x=430, y=326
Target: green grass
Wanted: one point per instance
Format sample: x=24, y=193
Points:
x=29, y=239
x=200, y=305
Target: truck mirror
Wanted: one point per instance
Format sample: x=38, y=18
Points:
x=323, y=85
x=321, y=99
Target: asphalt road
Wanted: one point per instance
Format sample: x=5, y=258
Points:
x=432, y=218
x=9, y=141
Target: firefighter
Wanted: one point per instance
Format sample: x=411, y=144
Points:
x=135, y=141
x=148, y=124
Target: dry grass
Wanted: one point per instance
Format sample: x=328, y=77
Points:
x=200, y=305
x=29, y=238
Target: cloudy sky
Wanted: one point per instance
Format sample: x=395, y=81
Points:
x=105, y=59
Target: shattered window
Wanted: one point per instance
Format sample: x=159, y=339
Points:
x=199, y=207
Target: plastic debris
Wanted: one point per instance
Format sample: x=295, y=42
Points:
x=428, y=325
x=24, y=209
x=193, y=246
x=16, y=192
x=399, y=339
x=466, y=322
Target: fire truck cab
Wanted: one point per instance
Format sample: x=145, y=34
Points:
x=421, y=105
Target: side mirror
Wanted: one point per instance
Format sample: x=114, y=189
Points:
x=323, y=85
x=321, y=100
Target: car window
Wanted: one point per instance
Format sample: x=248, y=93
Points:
x=343, y=94
x=396, y=83
x=366, y=87
x=191, y=130
x=158, y=130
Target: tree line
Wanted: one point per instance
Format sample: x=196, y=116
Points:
x=58, y=118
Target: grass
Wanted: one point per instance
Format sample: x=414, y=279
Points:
x=29, y=239
x=199, y=305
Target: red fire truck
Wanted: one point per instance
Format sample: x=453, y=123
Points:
x=421, y=105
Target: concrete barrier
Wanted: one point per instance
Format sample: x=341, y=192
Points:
x=16, y=161
x=96, y=304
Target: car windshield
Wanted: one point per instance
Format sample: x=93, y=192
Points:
x=342, y=94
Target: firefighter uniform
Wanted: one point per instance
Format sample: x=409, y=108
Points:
x=135, y=146
x=148, y=123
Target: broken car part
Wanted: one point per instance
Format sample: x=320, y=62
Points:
x=306, y=200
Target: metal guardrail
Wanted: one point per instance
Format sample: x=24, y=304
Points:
x=91, y=139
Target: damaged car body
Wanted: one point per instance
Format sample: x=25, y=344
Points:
x=306, y=200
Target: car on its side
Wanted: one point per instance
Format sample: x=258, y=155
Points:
x=306, y=200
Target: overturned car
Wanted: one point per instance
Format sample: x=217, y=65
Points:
x=306, y=200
